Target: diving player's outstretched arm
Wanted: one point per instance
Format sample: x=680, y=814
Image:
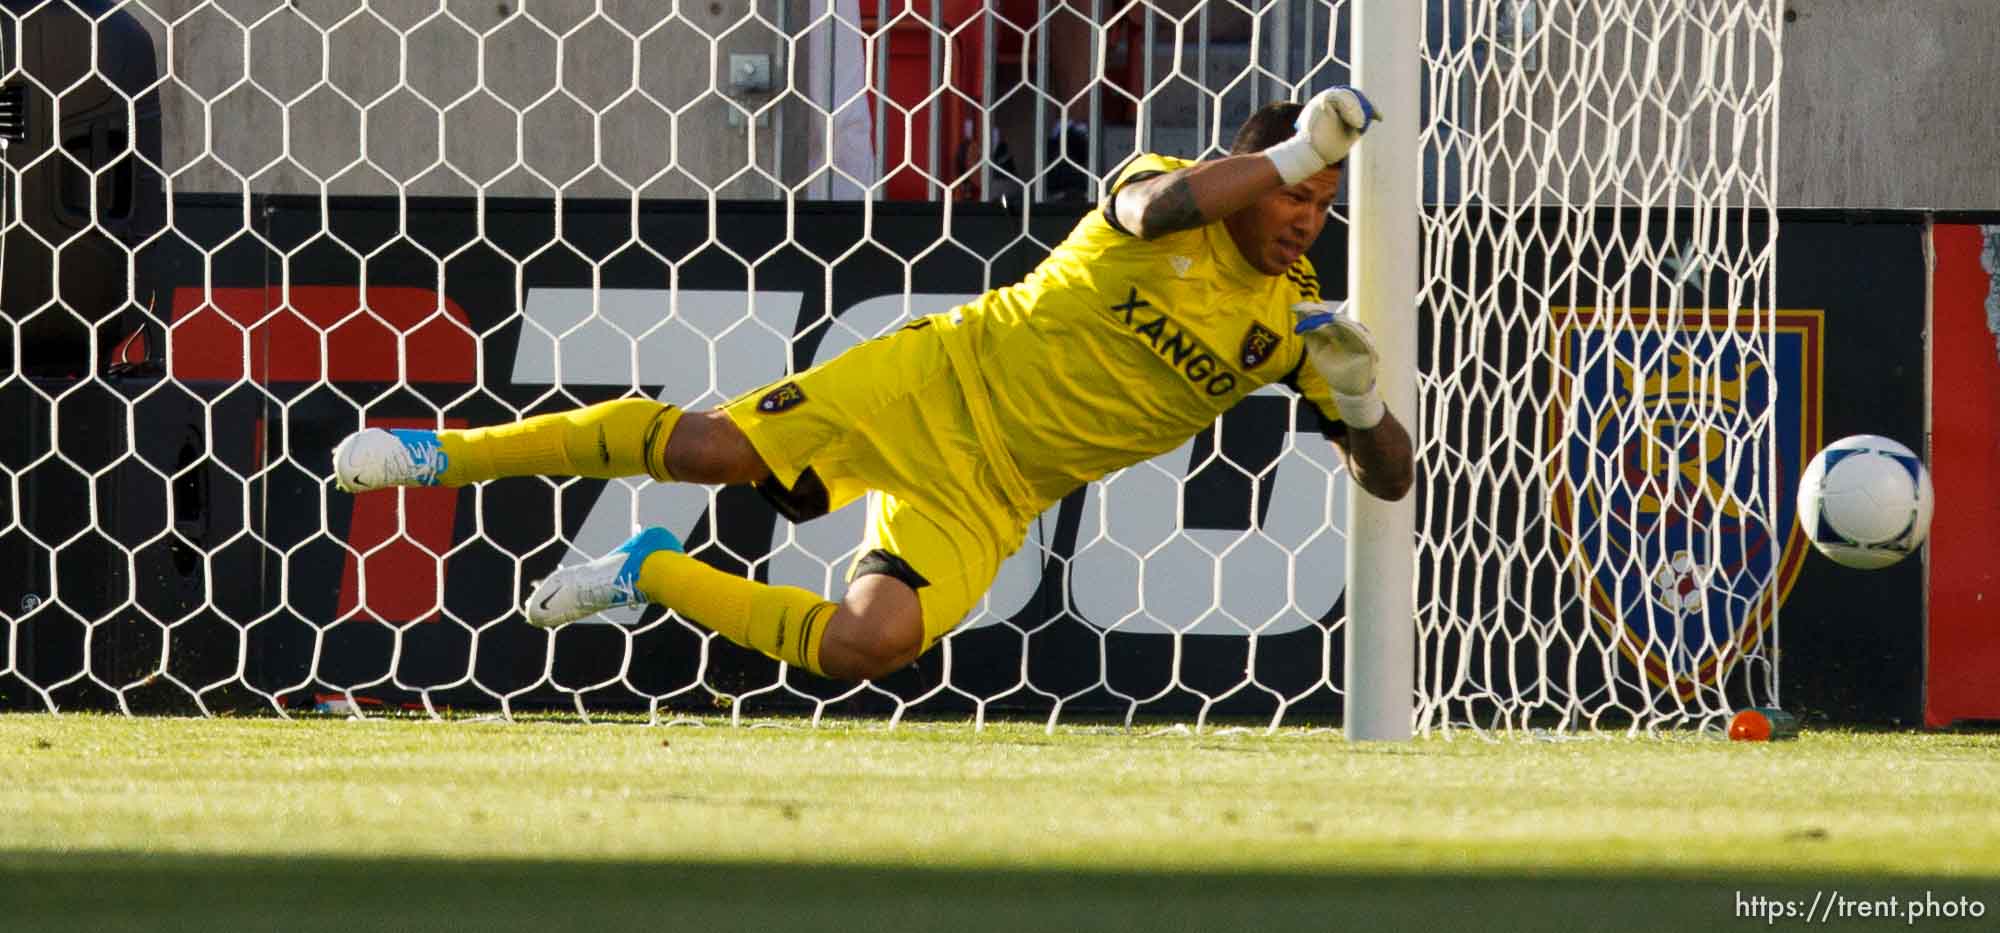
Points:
x=1209, y=191
x=1380, y=457
x=1377, y=448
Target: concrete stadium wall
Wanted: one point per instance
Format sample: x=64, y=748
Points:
x=1885, y=105
x=1890, y=104
x=394, y=72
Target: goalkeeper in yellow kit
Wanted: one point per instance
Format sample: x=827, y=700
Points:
x=1184, y=292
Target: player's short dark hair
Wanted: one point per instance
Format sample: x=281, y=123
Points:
x=1269, y=126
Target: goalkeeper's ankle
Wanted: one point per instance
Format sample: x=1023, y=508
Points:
x=1360, y=412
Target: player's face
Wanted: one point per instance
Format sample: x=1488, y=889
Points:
x=1276, y=230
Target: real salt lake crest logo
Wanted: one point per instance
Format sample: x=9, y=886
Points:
x=785, y=397
x=1258, y=345
x=1681, y=532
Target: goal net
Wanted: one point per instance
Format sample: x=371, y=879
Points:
x=236, y=230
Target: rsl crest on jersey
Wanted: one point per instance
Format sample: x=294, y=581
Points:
x=1683, y=540
x=1258, y=345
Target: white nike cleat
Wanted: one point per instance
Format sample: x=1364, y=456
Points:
x=608, y=582
x=377, y=459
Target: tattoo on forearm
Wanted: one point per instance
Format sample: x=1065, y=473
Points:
x=1172, y=209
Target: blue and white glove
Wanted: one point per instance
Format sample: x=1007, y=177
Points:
x=1332, y=121
x=1344, y=355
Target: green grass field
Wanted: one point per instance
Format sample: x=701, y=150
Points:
x=157, y=824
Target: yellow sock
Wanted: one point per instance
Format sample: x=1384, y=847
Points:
x=625, y=437
x=784, y=622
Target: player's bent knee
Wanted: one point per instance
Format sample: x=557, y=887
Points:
x=877, y=634
x=708, y=447
x=865, y=651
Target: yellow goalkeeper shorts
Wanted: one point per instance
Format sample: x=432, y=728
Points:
x=891, y=417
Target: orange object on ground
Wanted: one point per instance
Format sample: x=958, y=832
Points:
x=1762, y=724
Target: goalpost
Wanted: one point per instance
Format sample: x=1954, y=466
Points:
x=1381, y=634
x=310, y=217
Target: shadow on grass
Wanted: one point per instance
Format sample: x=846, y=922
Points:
x=138, y=891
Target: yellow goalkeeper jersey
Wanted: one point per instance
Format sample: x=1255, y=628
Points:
x=1118, y=349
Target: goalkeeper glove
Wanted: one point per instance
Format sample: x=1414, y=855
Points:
x=1328, y=126
x=1344, y=355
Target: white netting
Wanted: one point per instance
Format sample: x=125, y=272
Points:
x=290, y=219
x=1601, y=341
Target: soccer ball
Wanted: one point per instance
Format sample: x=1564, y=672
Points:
x=1865, y=501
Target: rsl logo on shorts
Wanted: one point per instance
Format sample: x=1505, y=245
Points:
x=783, y=398
x=1258, y=345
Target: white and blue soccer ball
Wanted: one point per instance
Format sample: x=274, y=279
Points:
x=1865, y=501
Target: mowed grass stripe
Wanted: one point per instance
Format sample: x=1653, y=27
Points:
x=772, y=811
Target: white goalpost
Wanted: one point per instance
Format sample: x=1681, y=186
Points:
x=236, y=231
x=1386, y=191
